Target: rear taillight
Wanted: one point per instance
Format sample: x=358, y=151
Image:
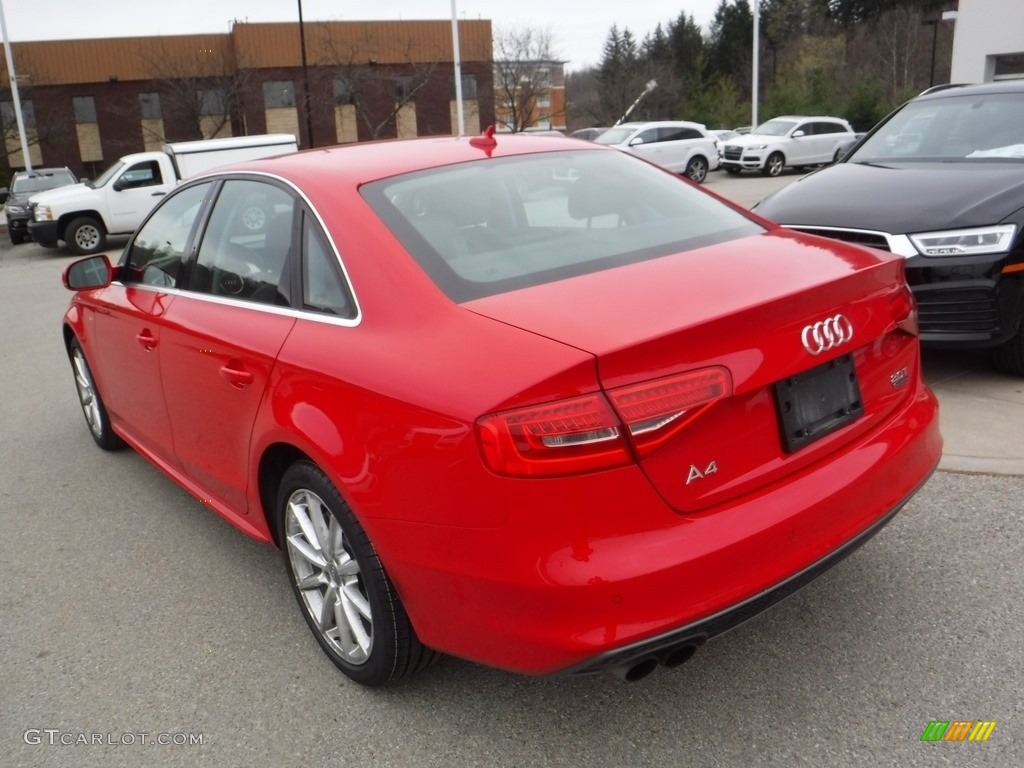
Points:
x=903, y=307
x=584, y=434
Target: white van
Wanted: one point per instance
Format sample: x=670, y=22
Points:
x=676, y=145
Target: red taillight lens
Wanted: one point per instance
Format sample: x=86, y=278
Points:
x=903, y=307
x=560, y=438
x=655, y=411
x=584, y=434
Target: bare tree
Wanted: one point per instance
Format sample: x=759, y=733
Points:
x=203, y=89
x=37, y=131
x=379, y=92
x=523, y=63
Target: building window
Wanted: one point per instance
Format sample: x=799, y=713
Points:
x=468, y=87
x=544, y=100
x=149, y=106
x=342, y=91
x=1009, y=67
x=212, y=103
x=85, y=109
x=8, y=118
x=403, y=89
x=278, y=94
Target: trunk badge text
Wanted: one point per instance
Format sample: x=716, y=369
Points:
x=696, y=474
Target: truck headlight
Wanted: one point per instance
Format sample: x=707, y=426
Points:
x=966, y=242
x=43, y=213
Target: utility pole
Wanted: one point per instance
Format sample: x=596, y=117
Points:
x=305, y=78
x=14, y=90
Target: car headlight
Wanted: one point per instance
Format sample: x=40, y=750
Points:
x=966, y=242
x=15, y=209
x=43, y=213
x=757, y=146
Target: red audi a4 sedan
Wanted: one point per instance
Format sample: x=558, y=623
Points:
x=531, y=402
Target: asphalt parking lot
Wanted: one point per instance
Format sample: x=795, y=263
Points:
x=130, y=616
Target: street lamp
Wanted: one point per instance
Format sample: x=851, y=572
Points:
x=14, y=90
x=934, y=24
x=305, y=78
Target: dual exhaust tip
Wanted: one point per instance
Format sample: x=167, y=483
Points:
x=670, y=657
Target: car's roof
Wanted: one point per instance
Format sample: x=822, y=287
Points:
x=953, y=89
x=660, y=123
x=42, y=171
x=368, y=161
x=809, y=117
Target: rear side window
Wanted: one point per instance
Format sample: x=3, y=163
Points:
x=323, y=288
x=246, y=243
x=501, y=224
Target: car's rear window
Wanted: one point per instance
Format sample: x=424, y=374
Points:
x=502, y=224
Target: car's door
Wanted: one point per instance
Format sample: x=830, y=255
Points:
x=646, y=144
x=133, y=194
x=224, y=332
x=127, y=320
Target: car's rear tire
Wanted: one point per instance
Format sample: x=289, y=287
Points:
x=92, y=404
x=346, y=596
x=697, y=169
x=1009, y=358
x=774, y=164
x=85, y=236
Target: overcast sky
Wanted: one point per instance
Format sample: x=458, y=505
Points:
x=578, y=28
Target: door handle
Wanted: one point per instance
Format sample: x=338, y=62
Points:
x=158, y=194
x=238, y=378
x=147, y=340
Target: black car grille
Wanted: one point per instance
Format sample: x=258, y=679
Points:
x=873, y=239
x=956, y=310
x=733, y=153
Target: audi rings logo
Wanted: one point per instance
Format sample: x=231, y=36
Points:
x=826, y=334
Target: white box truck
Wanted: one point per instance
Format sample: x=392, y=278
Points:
x=82, y=215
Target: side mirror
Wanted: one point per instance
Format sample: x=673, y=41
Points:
x=87, y=273
x=798, y=134
x=4, y=194
x=120, y=184
x=637, y=141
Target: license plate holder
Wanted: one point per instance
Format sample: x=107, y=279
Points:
x=817, y=402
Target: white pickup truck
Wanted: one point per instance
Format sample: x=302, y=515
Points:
x=82, y=215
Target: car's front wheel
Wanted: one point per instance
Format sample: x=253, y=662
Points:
x=697, y=169
x=345, y=594
x=1009, y=358
x=17, y=238
x=774, y=164
x=85, y=235
x=92, y=404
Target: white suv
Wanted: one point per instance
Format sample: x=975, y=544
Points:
x=788, y=141
x=676, y=145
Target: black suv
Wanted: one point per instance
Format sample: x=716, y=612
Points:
x=23, y=185
x=939, y=181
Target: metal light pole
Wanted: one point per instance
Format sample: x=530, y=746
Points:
x=934, y=24
x=14, y=90
x=755, y=76
x=305, y=78
x=460, y=118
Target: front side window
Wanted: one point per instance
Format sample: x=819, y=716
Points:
x=155, y=255
x=145, y=174
x=246, y=244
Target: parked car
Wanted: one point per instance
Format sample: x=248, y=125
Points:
x=679, y=146
x=115, y=203
x=787, y=142
x=722, y=135
x=24, y=184
x=588, y=134
x=568, y=432
x=939, y=182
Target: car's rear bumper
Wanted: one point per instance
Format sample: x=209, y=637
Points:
x=586, y=577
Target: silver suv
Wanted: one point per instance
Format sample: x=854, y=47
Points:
x=676, y=145
x=788, y=141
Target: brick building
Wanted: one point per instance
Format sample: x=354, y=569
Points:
x=87, y=102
